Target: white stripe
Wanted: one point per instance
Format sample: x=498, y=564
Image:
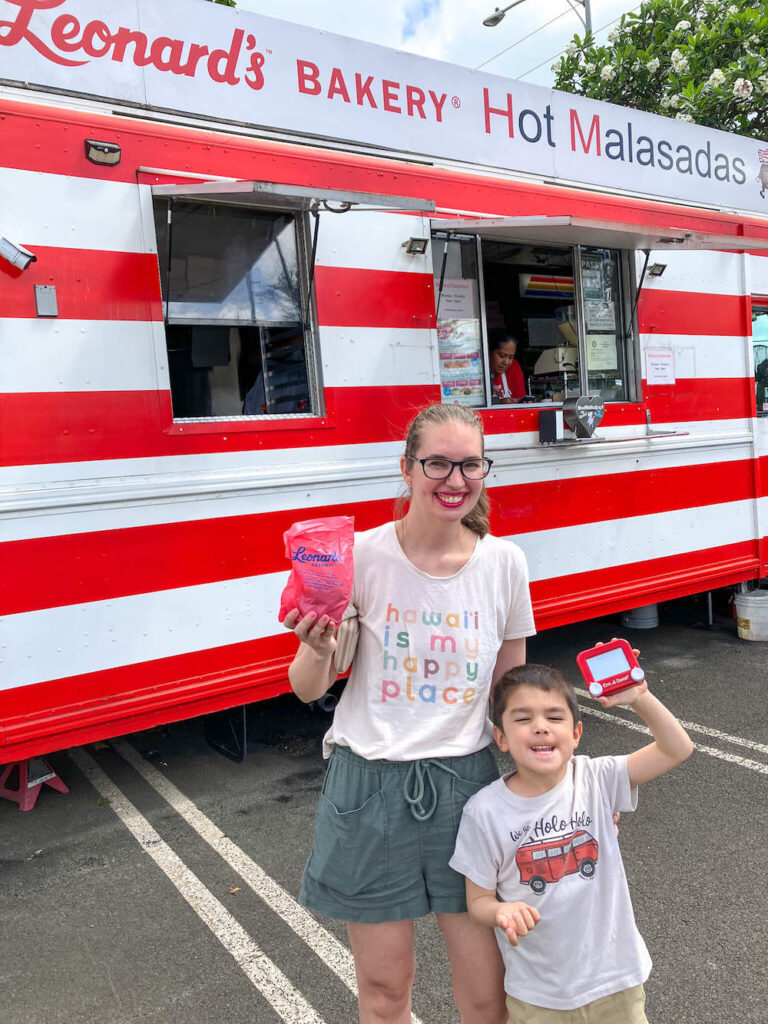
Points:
x=703, y=356
x=372, y=241
x=159, y=476
x=264, y=975
x=705, y=730
x=326, y=946
x=602, y=545
x=380, y=356
x=701, y=271
x=102, y=635
x=759, y=274
x=125, y=502
x=81, y=355
x=75, y=213
x=721, y=755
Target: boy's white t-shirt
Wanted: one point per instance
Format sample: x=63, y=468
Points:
x=586, y=944
x=421, y=675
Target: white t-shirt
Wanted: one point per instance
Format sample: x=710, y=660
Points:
x=558, y=852
x=421, y=675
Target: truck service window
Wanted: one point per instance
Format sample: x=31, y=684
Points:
x=567, y=306
x=233, y=291
x=760, y=353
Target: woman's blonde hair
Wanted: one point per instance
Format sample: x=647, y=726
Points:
x=436, y=415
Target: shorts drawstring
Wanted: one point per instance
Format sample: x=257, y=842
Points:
x=414, y=788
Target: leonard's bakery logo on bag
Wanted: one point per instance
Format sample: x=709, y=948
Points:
x=70, y=41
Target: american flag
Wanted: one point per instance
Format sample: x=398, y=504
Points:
x=763, y=154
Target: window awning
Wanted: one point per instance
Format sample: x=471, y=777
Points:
x=271, y=194
x=604, y=234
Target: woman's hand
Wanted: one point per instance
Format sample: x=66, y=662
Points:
x=317, y=633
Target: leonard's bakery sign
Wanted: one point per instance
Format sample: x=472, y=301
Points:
x=196, y=57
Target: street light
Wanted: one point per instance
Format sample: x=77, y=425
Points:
x=493, y=19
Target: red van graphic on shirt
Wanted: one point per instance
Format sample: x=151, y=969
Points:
x=550, y=859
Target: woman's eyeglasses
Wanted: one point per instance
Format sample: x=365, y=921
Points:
x=441, y=469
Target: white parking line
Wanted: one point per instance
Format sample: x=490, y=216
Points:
x=326, y=946
x=705, y=730
x=289, y=1004
x=722, y=755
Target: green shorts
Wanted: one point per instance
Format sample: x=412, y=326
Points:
x=384, y=834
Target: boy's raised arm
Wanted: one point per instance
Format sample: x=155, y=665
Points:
x=671, y=743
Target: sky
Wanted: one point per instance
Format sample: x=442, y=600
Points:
x=453, y=30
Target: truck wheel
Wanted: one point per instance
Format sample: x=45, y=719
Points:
x=587, y=868
x=538, y=885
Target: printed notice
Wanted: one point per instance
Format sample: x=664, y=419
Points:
x=601, y=352
x=457, y=299
x=600, y=315
x=659, y=366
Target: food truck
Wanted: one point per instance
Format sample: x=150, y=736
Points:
x=238, y=254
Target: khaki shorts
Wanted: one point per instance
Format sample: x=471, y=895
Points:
x=626, y=1007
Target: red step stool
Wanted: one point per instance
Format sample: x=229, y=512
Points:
x=33, y=774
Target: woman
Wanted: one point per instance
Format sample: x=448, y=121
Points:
x=508, y=380
x=444, y=610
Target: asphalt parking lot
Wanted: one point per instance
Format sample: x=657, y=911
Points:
x=162, y=887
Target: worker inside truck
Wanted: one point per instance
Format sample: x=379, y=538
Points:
x=566, y=305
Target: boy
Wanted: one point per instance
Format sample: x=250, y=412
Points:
x=542, y=864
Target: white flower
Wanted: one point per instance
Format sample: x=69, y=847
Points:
x=653, y=65
x=681, y=26
x=733, y=9
x=571, y=48
x=679, y=62
x=589, y=67
x=608, y=73
x=613, y=36
x=555, y=66
x=717, y=78
x=675, y=101
x=684, y=117
x=754, y=40
x=742, y=88
x=763, y=82
x=664, y=103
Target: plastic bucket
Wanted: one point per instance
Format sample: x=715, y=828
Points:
x=752, y=615
x=646, y=617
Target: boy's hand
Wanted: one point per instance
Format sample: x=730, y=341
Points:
x=624, y=696
x=517, y=919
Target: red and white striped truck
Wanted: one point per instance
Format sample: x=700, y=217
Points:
x=237, y=255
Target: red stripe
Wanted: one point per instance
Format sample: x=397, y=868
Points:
x=701, y=399
x=374, y=298
x=40, y=138
x=90, y=285
x=553, y=504
x=55, y=571
x=674, y=312
x=36, y=720
x=85, y=426
x=565, y=599
x=80, y=709
x=76, y=569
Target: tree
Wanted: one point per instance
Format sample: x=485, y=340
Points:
x=696, y=60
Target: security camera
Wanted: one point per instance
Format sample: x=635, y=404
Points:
x=16, y=255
